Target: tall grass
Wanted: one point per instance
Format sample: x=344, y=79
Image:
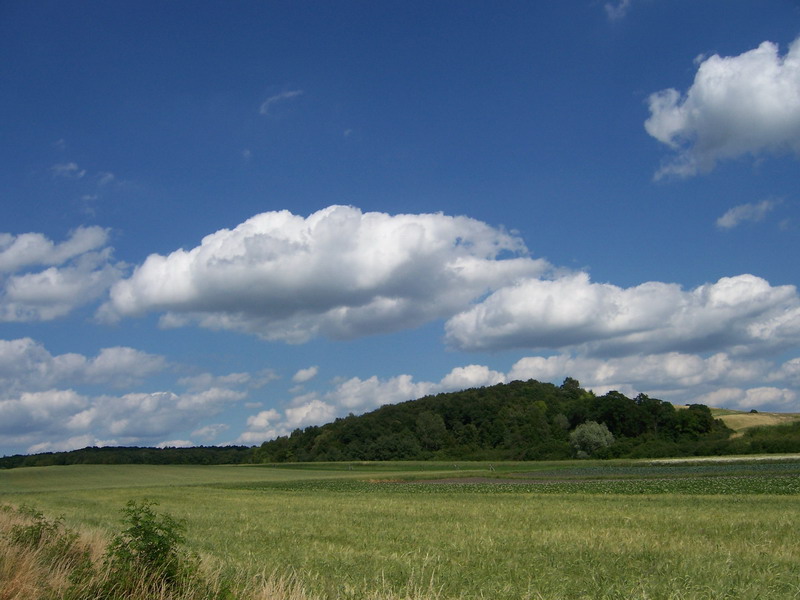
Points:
x=328, y=541
x=40, y=559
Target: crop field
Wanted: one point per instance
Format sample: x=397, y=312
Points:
x=739, y=421
x=588, y=529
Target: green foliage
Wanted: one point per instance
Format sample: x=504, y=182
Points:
x=590, y=437
x=37, y=531
x=521, y=420
x=431, y=430
x=150, y=544
x=143, y=562
x=783, y=438
x=202, y=455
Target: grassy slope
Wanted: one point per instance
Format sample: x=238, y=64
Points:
x=739, y=420
x=348, y=540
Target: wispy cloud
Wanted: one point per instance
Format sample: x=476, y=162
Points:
x=70, y=170
x=617, y=11
x=105, y=178
x=752, y=212
x=304, y=375
x=272, y=100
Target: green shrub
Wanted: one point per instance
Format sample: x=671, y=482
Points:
x=148, y=559
x=144, y=562
x=590, y=437
x=150, y=546
x=37, y=531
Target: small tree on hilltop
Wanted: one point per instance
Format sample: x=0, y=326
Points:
x=589, y=437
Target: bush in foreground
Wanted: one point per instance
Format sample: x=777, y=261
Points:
x=42, y=559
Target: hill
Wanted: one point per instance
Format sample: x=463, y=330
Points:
x=740, y=421
x=515, y=421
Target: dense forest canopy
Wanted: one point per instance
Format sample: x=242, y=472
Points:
x=521, y=420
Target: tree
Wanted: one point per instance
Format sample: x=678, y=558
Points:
x=659, y=416
x=622, y=416
x=431, y=430
x=589, y=437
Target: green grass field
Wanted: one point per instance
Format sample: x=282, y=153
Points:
x=621, y=529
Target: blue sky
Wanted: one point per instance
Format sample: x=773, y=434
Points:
x=224, y=221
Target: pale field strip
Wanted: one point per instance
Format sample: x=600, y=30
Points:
x=727, y=459
x=740, y=421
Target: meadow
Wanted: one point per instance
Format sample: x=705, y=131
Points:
x=570, y=529
x=739, y=420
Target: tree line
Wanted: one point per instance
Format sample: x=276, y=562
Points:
x=132, y=455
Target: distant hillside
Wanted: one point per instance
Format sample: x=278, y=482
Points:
x=515, y=421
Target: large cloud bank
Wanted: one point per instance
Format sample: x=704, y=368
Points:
x=338, y=273
x=738, y=105
x=341, y=273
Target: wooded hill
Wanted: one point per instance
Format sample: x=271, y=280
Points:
x=515, y=421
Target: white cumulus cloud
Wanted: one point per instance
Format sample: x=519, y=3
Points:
x=26, y=365
x=738, y=105
x=175, y=444
x=27, y=249
x=78, y=271
x=471, y=376
x=209, y=433
x=338, y=273
x=232, y=380
x=739, y=314
x=761, y=398
x=39, y=400
x=670, y=375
